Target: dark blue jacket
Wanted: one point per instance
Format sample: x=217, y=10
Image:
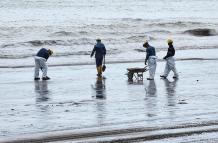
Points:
x=99, y=50
x=170, y=52
x=43, y=53
x=150, y=52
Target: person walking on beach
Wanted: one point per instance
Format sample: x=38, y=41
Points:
x=40, y=63
x=170, y=61
x=151, y=59
x=100, y=51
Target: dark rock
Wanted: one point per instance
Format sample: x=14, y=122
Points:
x=182, y=102
x=201, y=32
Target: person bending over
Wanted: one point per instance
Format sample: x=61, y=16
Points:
x=40, y=63
x=151, y=58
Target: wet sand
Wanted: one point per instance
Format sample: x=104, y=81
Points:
x=75, y=106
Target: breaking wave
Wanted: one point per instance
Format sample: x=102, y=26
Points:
x=163, y=23
x=63, y=33
x=70, y=34
x=77, y=53
x=180, y=48
x=80, y=41
x=45, y=42
x=132, y=19
x=159, y=31
x=36, y=43
x=177, y=24
x=139, y=38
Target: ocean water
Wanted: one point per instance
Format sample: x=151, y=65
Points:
x=70, y=28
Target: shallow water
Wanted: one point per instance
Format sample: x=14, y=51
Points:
x=75, y=99
x=70, y=27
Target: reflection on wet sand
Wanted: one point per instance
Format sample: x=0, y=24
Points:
x=99, y=89
x=42, y=96
x=171, y=96
x=135, y=82
x=170, y=91
x=151, y=89
x=150, y=98
x=41, y=90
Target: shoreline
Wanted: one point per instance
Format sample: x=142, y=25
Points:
x=110, y=62
x=181, y=55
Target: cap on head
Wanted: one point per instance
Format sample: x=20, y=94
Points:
x=145, y=43
x=98, y=39
x=169, y=41
x=50, y=52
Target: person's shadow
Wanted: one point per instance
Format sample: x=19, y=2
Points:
x=99, y=88
x=41, y=90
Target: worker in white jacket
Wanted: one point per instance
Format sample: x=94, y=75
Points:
x=151, y=58
x=170, y=61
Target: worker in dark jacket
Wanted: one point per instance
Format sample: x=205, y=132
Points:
x=170, y=61
x=40, y=63
x=100, y=51
x=151, y=58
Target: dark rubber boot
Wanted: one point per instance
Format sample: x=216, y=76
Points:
x=162, y=76
x=150, y=79
x=46, y=78
x=36, y=78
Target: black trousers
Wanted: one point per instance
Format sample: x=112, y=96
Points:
x=98, y=61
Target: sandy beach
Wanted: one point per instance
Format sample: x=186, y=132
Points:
x=75, y=105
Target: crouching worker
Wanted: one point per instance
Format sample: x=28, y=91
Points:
x=152, y=60
x=40, y=63
x=99, y=51
x=170, y=61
